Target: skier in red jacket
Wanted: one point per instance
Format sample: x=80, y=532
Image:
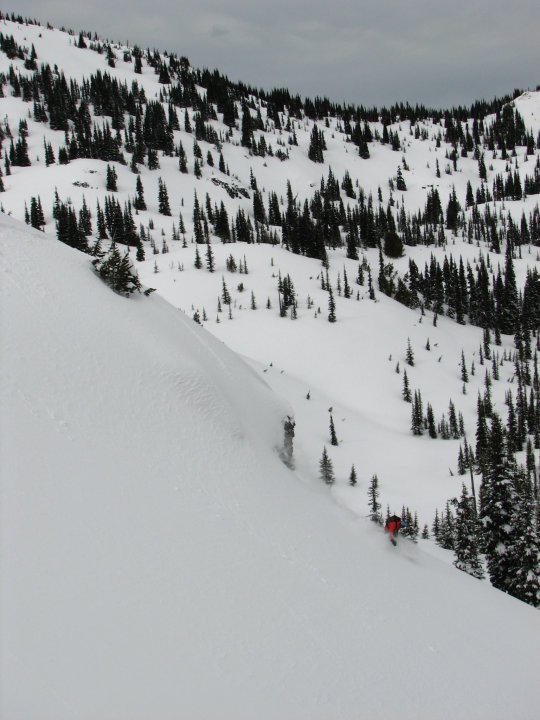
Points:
x=392, y=527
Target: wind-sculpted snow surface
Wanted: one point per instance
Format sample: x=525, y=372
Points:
x=159, y=561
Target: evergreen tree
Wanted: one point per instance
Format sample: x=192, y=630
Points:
x=139, y=202
x=316, y=145
x=432, y=431
x=417, y=414
x=393, y=244
x=49, y=153
x=153, y=159
x=37, y=219
x=221, y=165
x=163, y=199
x=446, y=532
x=225, y=293
x=508, y=315
x=400, y=181
x=111, y=182
x=210, y=262
x=406, y=392
x=331, y=306
x=464, y=373
x=436, y=526
x=182, y=160
x=374, y=504
x=452, y=421
x=333, y=436
x=247, y=126
x=85, y=217
x=326, y=468
x=197, y=222
x=525, y=581
x=117, y=271
x=466, y=538
x=409, y=355
x=353, y=477
x=498, y=497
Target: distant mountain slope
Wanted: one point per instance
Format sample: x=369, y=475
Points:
x=158, y=560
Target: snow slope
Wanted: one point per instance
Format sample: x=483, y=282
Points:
x=158, y=560
x=332, y=362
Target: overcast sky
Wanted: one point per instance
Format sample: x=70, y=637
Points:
x=436, y=52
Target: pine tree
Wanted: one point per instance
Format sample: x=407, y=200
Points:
x=49, y=153
x=464, y=374
x=333, y=436
x=409, y=355
x=225, y=293
x=436, y=526
x=374, y=504
x=182, y=160
x=139, y=202
x=452, y=421
x=331, y=306
x=36, y=218
x=85, y=217
x=498, y=497
x=347, y=292
x=153, y=159
x=432, y=430
x=111, y=182
x=210, y=262
x=446, y=533
x=400, y=182
x=410, y=528
x=316, y=145
x=525, y=581
x=417, y=415
x=163, y=199
x=247, y=126
x=353, y=477
x=510, y=303
x=406, y=392
x=221, y=165
x=117, y=271
x=466, y=537
x=326, y=468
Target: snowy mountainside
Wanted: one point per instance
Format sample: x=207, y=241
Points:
x=158, y=559
x=368, y=341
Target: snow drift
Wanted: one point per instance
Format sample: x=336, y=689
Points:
x=158, y=560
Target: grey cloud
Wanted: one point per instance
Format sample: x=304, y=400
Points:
x=219, y=31
x=361, y=51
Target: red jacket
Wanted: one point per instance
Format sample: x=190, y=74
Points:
x=393, y=524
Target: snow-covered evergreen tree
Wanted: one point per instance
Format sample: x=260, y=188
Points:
x=326, y=468
x=466, y=537
x=374, y=504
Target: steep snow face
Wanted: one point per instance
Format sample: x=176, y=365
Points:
x=158, y=560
